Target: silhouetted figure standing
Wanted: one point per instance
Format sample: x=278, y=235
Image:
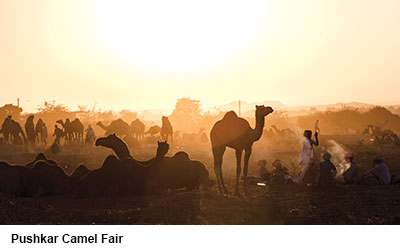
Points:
x=58, y=133
x=44, y=134
x=308, y=153
x=90, y=136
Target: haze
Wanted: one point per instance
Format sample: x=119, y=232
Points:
x=130, y=55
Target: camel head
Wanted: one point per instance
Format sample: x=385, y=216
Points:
x=262, y=111
x=163, y=148
x=108, y=141
x=59, y=121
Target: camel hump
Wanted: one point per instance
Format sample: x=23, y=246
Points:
x=230, y=115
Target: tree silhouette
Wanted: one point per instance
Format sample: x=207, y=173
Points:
x=186, y=115
x=51, y=106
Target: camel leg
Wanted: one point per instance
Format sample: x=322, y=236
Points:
x=238, y=169
x=246, y=166
x=218, y=156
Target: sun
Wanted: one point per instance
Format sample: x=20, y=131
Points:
x=179, y=35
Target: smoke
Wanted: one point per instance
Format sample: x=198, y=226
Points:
x=338, y=156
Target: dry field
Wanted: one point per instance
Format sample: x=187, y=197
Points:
x=270, y=204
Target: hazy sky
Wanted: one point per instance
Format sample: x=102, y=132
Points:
x=136, y=55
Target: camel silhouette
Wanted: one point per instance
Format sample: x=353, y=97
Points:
x=179, y=171
x=48, y=179
x=73, y=131
x=117, y=177
x=153, y=130
x=39, y=128
x=77, y=129
x=6, y=129
x=40, y=157
x=166, y=129
x=30, y=130
x=12, y=131
x=10, y=178
x=235, y=132
x=137, y=129
x=175, y=172
x=118, y=127
x=116, y=144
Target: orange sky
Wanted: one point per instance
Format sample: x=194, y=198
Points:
x=139, y=55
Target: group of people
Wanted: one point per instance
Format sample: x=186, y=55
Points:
x=327, y=171
x=378, y=174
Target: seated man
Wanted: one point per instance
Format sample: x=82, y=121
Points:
x=279, y=172
x=350, y=174
x=262, y=171
x=380, y=171
x=327, y=171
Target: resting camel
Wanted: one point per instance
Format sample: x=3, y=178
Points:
x=235, y=132
x=30, y=131
x=117, y=177
x=179, y=172
x=137, y=129
x=48, y=179
x=118, y=127
x=175, y=172
x=153, y=130
x=166, y=129
x=10, y=178
x=40, y=157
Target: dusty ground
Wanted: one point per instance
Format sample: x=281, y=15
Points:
x=264, y=205
x=271, y=204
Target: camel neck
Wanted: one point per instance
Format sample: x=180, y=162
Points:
x=123, y=153
x=257, y=131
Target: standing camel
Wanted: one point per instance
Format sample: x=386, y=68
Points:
x=137, y=129
x=6, y=129
x=39, y=130
x=235, y=132
x=68, y=134
x=30, y=130
x=77, y=129
x=118, y=127
x=166, y=129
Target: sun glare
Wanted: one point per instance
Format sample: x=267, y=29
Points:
x=179, y=35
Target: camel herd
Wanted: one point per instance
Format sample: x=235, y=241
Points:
x=118, y=175
x=72, y=132
x=136, y=130
x=122, y=174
